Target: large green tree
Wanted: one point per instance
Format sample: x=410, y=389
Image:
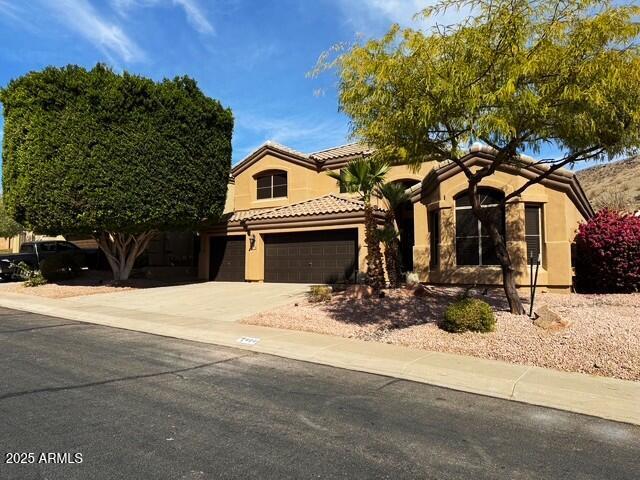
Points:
x=518, y=75
x=8, y=226
x=117, y=156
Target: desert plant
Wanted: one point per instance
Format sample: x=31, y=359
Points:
x=394, y=195
x=31, y=276
x=469, y=314
x=390, y=239
x=319, y=293
x=412, y=278
x=608, y=253
x=363, y=177
x=62, y=266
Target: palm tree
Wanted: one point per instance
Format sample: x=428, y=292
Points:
x=363, y=177
x=394, y=195
x=389, y=238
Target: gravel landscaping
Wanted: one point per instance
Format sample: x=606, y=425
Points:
x=603, y=337
x=90, y=284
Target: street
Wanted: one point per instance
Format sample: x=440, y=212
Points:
x=139, y=406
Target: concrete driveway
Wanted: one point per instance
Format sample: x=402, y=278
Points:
x=221, y=301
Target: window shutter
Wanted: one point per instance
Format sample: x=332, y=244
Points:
x=532, y=231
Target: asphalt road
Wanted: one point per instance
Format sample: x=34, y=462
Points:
x=140, y=406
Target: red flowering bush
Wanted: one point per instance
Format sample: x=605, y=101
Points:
x=608, y=253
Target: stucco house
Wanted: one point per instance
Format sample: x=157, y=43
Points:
x=287, y=221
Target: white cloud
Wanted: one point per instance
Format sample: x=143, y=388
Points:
x=195, y=16
x=367, y=15
x=79, y=15
x=305, y=133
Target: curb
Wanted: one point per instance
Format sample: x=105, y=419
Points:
x=608, y=398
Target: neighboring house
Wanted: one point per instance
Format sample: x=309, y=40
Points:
x=287, y=221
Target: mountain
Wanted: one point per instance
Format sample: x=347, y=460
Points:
x=614, y=185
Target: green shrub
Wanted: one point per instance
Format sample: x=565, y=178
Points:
x=31, y=276
x=62, y=266
x=469, y=314
x=35, y=280
x=319, y=293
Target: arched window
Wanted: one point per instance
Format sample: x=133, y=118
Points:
x=271, y=184
x=473, y=245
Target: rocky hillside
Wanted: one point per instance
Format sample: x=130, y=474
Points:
x=613, y=185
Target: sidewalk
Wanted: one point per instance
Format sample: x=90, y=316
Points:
x=608, y=398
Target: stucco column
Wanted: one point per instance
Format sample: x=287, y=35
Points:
x=420, y=241
x=516, y=244
x=254, y=258
x=447, y=238
x=362, y=249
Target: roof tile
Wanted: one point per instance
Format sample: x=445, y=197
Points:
x=326, y=204
x=341, y=151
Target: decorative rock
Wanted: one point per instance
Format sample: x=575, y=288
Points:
x=420, y=291
x=550, y=320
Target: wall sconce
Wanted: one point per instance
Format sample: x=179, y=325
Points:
x=252, y=242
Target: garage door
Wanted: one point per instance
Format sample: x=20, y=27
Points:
x=226, y=257
x=311, y=257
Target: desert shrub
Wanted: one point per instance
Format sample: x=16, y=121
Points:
x=62, y=266
x=469, y=314
x=412, y=278
x=319, y=293
x=608, y=253
x=35, y=280
x=32, y=277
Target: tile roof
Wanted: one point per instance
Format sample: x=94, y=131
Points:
x=284, y=148
x=326, y=204
x=239, y=215
x=341, y=151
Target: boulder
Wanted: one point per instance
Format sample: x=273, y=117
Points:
x=550, y=320
x=421, y=290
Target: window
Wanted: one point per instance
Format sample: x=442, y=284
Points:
x=473, y=245
x=434, y=237
x=272, y=185
x=533, y=231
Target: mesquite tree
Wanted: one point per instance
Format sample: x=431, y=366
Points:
x=117, y=156
x=517, y=76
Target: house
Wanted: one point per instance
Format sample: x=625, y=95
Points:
x=287, y=221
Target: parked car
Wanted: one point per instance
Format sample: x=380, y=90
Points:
x=33, y=253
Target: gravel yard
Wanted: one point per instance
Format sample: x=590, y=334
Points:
x=603, y=337
x=92, y=284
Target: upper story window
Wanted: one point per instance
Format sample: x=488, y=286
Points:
x=271, y=184
x=473, y=244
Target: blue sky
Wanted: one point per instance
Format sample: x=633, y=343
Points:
x=252, y=55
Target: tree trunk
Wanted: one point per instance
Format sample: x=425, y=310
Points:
x=375, y=270
x=489, y=223
x=392, y=263
x=392, y=252
x=122, y=249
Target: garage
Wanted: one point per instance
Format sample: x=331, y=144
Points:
x=326, y=256
x=227, y=258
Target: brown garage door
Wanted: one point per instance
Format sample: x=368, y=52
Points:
x=311, y=257
x=226, y=257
